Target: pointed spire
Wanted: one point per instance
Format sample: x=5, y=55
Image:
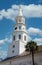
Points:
x=20, y=11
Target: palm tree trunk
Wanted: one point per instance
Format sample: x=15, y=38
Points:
x=33, y=57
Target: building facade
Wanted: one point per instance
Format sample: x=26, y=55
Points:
x=19, y=36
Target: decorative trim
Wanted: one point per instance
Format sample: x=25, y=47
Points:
x=19, y=23
x=20, y=31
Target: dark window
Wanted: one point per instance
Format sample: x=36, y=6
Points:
x=19, y=27
x=12, y=51
x=13, y=46
x=25, y=38
x=19, y=36
x=13, y=37
x=15, y=28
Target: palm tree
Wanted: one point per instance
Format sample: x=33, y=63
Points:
x=32, y=47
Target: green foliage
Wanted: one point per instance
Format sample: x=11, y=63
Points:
x=31, y=46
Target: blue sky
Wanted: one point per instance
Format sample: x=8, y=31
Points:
x=32, y=11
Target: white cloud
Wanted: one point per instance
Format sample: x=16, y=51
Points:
x=2, y=41
x=3, y=54
x=9, y=14
x=9, y=40
x=28, y=11
x=38, y=40
x=33, y=10
x=29, y=38
x=34, y=31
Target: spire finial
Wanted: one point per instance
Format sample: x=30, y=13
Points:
x=20, y=11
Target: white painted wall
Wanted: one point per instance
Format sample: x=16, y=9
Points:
x=22, y=36
x=19, y=44
x=21, y=47
x=16, y=49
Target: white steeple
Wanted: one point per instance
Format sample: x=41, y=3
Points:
x=20, y=11
x=19, y=36
x=20, y=18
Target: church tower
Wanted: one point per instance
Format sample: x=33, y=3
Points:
x=19, y=36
